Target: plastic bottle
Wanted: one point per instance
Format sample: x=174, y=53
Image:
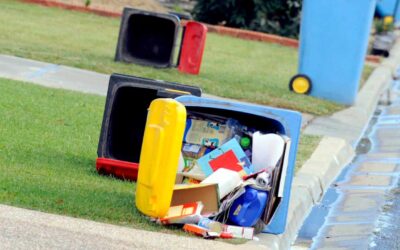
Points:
x=248, y=208
x=245, y=143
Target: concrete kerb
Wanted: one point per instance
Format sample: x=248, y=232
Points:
x=324, y=164
x=352, y=120
x=333, y=154
x=308, y=186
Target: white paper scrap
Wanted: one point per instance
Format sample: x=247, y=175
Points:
x=267, y=150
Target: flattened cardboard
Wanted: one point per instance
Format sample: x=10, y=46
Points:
x=206, y=193
x=183, y=214
x=282, y=180
x=278, y=183
x=230, y=156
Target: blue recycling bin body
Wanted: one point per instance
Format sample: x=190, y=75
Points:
x=333, y=45
x=389, y=8
x=267, y=120
x=386, y=7
x=397, y=13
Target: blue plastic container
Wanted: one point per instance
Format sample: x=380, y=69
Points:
x=267, y=120
x=397, y=13
x=333, y=45
x=248, y=208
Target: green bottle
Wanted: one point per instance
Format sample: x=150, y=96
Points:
x=245, y=142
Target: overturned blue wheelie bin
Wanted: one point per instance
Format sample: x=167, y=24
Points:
x=266, y=120
x=333, y=44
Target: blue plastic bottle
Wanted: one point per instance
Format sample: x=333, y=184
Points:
x=248, y=208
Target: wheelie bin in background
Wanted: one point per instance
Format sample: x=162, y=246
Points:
x=150, y=39
x=147, y=38
x=389, y=12
x=389, y=9
x=333, y=45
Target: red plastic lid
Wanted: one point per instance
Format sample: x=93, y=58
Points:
x=192, y=48
x=120, y=169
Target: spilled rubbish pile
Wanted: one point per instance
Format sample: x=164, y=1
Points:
x=217, y=168
x=225, y=180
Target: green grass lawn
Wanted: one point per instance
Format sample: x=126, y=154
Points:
x=245, y=70
x=307, y=145
x=48, y=143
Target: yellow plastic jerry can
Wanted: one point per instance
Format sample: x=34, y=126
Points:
x=159, y=157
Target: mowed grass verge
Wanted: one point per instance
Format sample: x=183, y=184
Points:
x=48, y=143
x=234, y=68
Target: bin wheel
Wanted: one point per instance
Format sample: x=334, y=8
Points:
x=388, y=20
x=300, y=84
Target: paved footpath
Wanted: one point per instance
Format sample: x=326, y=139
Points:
x=52, y=75
x=27, y=229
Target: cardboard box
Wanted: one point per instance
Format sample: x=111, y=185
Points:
x=239, y=232
x=183, y=214
x=205, y=193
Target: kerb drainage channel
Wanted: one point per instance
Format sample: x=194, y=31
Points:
x=361, y=209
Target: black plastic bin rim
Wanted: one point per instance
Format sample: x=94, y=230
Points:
x=124, y=56
x=119, y=79
x=132, y=88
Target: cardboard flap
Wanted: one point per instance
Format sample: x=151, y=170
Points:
x=282, y=180
x=206, y=193
x=278, y=183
